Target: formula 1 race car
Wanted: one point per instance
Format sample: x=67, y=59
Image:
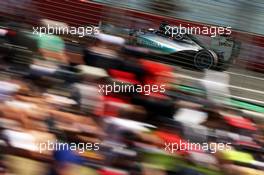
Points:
x=182, y=49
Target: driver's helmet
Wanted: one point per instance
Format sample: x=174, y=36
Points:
x=151, y=30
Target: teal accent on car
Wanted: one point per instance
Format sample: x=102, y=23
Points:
x=164, y=45
x=155, y=43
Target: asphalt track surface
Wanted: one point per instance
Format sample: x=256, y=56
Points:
x=244, y=84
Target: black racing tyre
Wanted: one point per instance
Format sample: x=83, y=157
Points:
x=205, y=59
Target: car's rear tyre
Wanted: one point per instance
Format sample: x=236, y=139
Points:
x=205, y=59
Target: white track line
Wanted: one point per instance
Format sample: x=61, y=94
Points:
x=229, y=95
x=231, y=86
x=245, y=99
x=242, y=75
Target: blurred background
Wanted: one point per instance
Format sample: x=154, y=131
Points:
x=49, y=87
